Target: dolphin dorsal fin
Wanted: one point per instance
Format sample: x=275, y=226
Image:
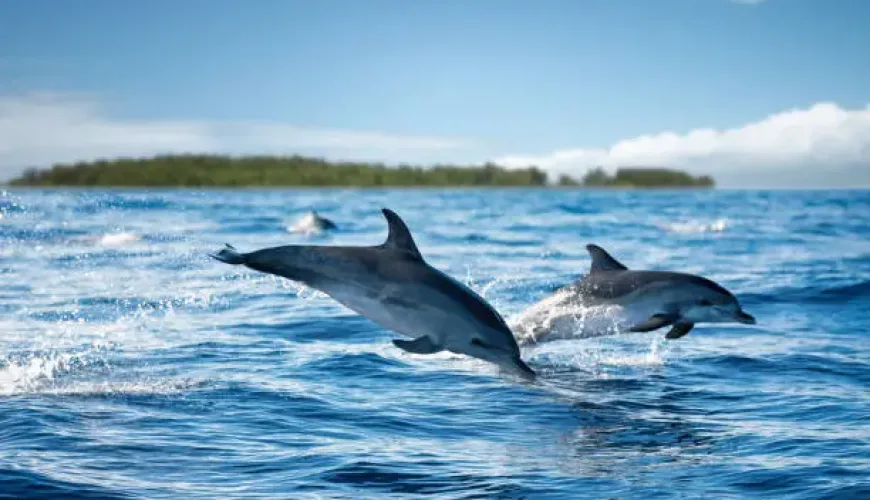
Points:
x=399, y=236
x=602, y=261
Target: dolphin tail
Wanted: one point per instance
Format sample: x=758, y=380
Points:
x=229, y=255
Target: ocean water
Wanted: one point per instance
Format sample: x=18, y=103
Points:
x=134, y=366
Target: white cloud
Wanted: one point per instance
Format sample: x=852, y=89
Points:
x=41, y=129
x=822, y=145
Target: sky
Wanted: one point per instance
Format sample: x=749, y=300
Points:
x=756, y=93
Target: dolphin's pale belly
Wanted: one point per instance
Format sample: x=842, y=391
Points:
x=393, y=307
x=564, y=316
x=371, y=305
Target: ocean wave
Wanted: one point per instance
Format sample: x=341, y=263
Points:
x=83, y=373
x=696, y=226
x=18, y=483
x=466, y=237
x=118, y=239
x=148, y=369
x=34, y=372
x=93, y=203
x=812, y=294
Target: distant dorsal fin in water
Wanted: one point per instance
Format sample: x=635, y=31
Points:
x=602, y=261
x=399, y=236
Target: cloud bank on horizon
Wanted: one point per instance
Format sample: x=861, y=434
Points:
x=823, y=145
x=41, y=129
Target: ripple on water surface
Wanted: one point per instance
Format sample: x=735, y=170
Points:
x=133, y=366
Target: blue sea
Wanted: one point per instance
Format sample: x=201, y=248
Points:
x=132, y=365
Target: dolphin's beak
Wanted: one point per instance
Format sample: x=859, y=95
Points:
x=746, y=319
x=520, y=368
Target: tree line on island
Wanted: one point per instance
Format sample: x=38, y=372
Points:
x=217, y=170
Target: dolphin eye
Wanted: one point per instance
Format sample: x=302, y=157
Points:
x=705, y=303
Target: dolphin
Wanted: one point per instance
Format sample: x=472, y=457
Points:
x=646, y=301
x=312, y=222
x=392, y=285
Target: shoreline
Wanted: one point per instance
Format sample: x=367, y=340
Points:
x=345, y=188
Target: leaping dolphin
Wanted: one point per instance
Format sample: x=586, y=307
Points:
x=645, y=300
x=392, y=285
x=312, y=223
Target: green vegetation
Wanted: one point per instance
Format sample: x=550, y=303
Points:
x=644, y=177
x=214, y=170
x=208, y=170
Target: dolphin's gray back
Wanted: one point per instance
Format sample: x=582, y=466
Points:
x=611, y=286
x=307, y=263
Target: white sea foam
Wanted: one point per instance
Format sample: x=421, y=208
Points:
x=150, y=386
x=600, y=357
x=559, y=317
x=86, y=372
x=696, y=226
x=118, y=239
x=113, y=239
x=21, y=376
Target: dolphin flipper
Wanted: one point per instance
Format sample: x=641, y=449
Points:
x=679, y=330
x=655, y=322
x=420, y=345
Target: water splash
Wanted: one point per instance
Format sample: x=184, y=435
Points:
x=695, y=226
x=150, y=373
x=560, y=317
x=118, y=239
x=41, y=371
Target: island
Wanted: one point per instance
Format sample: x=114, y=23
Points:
x=638, y=177
x=300, y=171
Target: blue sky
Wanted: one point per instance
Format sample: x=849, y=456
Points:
x=559, y=83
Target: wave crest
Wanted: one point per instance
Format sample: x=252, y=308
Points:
x=696, y=227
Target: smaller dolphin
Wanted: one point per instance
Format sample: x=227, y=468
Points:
x=393, y=286
x=646, y=300
x=311, y=223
